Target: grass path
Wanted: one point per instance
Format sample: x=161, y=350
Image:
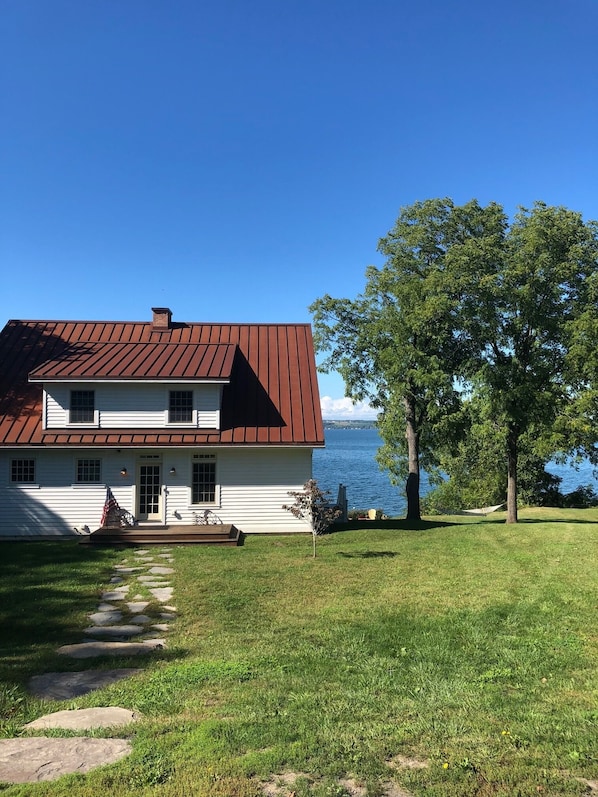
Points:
x=468, y=647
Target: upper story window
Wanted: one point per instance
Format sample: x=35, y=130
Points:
x=82, y=408
x=180, y=406
x=89, y=471
x=22, y=471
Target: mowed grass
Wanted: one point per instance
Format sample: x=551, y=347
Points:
x=467, y=647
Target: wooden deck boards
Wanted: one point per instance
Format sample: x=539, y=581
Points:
x=221, y=534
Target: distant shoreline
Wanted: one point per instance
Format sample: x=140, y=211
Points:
x=342, y=424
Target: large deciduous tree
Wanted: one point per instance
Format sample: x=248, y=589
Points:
x=536, y=300
x=470, y=305
x=401, y=343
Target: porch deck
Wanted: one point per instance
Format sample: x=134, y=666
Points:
x=221, y=534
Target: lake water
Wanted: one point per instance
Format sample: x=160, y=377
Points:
x=349, y=458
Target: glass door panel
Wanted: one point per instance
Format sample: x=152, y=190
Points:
x=150, y=492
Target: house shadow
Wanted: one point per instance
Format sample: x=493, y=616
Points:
x=25, y=348
x=245, y=401
x=46, y=594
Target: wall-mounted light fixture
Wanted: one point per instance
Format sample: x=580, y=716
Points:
x=172, y=471
x=123, y=471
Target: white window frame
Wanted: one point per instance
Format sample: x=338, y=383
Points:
x=83, y=424
x=196, y=459
x=185, y=424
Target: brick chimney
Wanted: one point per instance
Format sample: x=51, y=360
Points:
x=161, y=319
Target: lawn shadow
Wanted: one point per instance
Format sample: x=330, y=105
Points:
x=396, y=524
x=368, y=555
x=528, y=521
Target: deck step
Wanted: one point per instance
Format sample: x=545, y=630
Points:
x=221, y=534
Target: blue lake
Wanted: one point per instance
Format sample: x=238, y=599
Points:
x=349, y=458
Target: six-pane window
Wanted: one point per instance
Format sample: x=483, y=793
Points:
x=203, y=485
x=82, y=406
x=88, y=470
x=22, y=470
x=180, y=406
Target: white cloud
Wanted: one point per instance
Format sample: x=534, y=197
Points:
x=344, y=408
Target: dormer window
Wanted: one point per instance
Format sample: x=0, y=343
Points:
x=180, y=406
x=82, y=407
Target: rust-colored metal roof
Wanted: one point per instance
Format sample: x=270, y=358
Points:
x=138, y=361
x=272, y=397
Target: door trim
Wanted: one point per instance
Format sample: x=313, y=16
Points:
x=150, y=501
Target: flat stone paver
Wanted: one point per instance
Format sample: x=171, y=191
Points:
x=83, y=719
x=115, y=595
x=136, y=606
x=162, y=594
x=113, y=631
x=66, y=685
x=106, y=617
x=40, y=758
x=90, y=650
x=106, y=607
x=34, y=759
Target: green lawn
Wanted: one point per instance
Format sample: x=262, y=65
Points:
x=470, y=647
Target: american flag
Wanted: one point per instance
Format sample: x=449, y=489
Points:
x=110, y=506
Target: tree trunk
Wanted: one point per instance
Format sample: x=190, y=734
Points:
x=412, y=437
x=512, y=454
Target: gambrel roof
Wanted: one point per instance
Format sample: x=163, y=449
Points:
x=270, y=391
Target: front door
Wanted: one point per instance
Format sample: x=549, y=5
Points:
x=150, y=492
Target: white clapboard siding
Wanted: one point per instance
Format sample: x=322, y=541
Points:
x=253, y=484
x=56, y=401
x=126, y=406
x=55, y=504
x=207, y=402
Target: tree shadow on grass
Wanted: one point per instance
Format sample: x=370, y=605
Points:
x=530, y=521
x=46, y=591
x=395, y=524
x=369, y=555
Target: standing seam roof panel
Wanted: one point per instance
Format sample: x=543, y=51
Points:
x=279, y=359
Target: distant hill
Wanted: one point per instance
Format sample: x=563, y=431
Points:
x=342, y=424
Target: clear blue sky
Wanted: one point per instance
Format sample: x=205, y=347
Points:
x=235, y=160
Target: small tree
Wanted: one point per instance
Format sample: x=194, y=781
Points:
x=313, y=506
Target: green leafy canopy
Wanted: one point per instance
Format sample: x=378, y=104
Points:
x=468, y=303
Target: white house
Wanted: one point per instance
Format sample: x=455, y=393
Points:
x=175, y=418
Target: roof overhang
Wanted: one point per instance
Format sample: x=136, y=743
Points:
x=139, y=362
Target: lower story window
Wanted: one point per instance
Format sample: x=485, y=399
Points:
x=88, y=471
x=203, y=483
x=23, y=471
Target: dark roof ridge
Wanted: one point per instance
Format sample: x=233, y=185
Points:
x=149, y=323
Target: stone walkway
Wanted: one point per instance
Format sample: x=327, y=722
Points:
x=119, y=627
